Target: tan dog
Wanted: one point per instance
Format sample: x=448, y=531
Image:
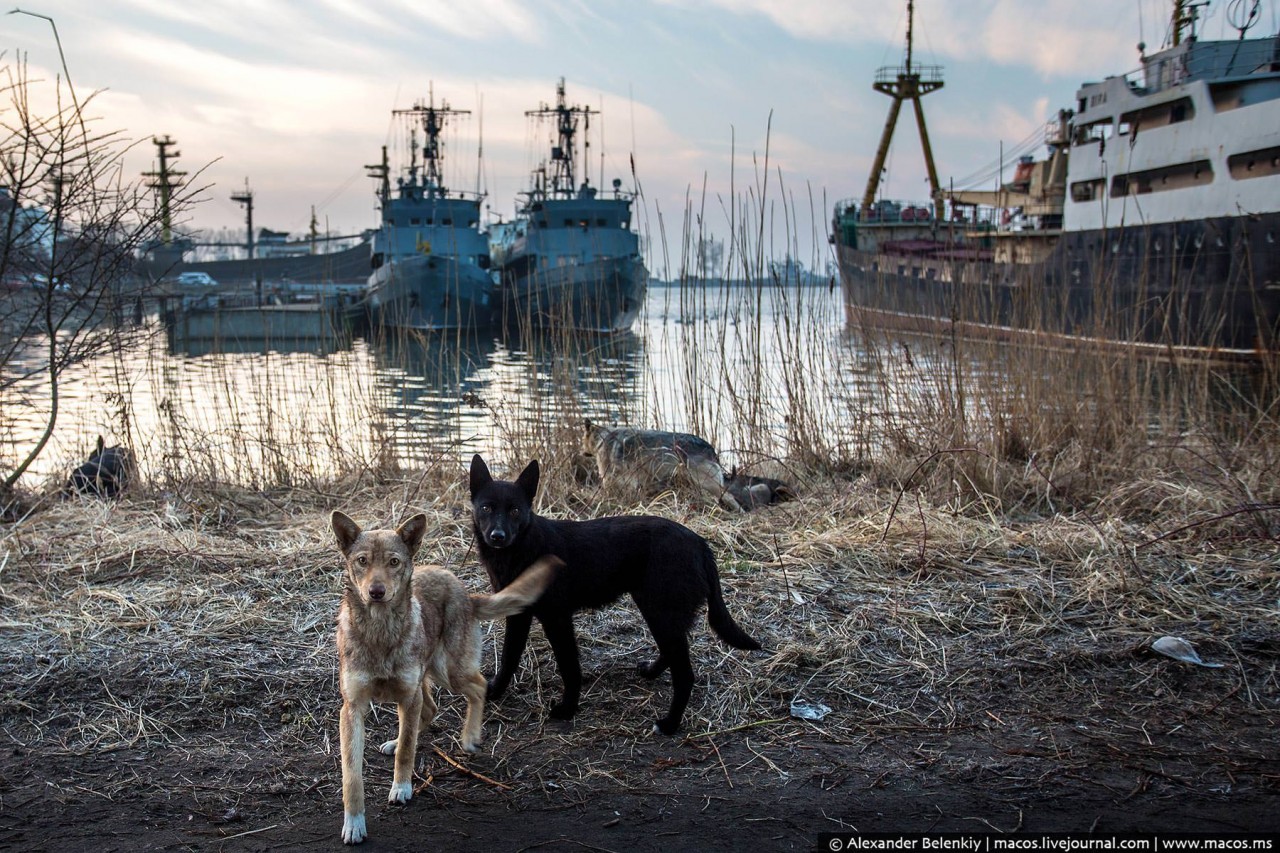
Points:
x=400, y=630
x=642, y=460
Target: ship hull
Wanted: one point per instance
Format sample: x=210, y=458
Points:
x=1207, y=288
x=431, y=293
x=601, y=297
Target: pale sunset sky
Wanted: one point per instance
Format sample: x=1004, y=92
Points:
x=296, y=97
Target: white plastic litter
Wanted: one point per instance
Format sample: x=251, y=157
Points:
x=1179, y=649
x=809, y=710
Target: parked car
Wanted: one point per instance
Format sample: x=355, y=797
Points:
x=40, y=281
x=195, y=279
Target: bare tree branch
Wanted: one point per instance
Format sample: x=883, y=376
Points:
x=72, y=226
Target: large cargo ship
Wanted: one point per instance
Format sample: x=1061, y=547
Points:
x=1153, y=221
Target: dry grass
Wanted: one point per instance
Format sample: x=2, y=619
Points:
x=203, y=624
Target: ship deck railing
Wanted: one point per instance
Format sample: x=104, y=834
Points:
x=927, y=74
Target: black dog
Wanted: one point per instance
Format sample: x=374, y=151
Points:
x=106, y=474
x=668, y=569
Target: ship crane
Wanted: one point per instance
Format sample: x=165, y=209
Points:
x=906, y=83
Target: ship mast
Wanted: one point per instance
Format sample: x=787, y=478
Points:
x=433, y=120
x=246, y=198
x=381, y=172
x=907, y=83
x=563, y=153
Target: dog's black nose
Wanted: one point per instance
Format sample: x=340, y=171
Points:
x=497, y=537
x=377, y=592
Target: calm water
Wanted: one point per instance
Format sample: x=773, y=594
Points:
x=754, y=370
x=764, y=373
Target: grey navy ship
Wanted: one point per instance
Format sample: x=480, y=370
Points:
x=430, y=257
x=570, y=260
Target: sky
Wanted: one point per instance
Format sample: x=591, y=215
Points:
x=706, y=97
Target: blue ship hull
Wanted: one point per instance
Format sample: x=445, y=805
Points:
x=431, y=293
x=600, y=297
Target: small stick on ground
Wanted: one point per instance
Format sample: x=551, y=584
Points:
x=740, y=728
x=473, y=774
x=721, y=760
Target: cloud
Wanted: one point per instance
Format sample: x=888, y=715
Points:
x=993, y=122
x=298, y=96
x=474, y=20
x=1053, y=37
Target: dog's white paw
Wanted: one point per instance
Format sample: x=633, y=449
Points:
x=471, y=746
x=401, y=792
x=388, y=748
x=353, y=830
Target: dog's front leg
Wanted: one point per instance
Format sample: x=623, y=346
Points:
x=564, y=646
x=409, y=710
x=351, y=740
x=513, y=643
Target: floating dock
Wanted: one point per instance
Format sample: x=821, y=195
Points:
x=313, y=326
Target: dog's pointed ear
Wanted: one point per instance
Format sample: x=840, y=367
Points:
x=412, y=531
x=480, y=476
x=345, y=529
x=528, y=480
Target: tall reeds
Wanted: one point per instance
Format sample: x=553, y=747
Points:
x=1026, y=423
x=751, y=353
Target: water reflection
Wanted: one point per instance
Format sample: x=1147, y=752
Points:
x=196, y=347
x=763, y=372
x=442, y=396
x=260, y=411
x=426, y=389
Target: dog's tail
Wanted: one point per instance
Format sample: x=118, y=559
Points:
x=518, y=595
x=717, y=614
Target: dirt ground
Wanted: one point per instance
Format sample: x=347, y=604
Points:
x=771, y=787
x=169, y=684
